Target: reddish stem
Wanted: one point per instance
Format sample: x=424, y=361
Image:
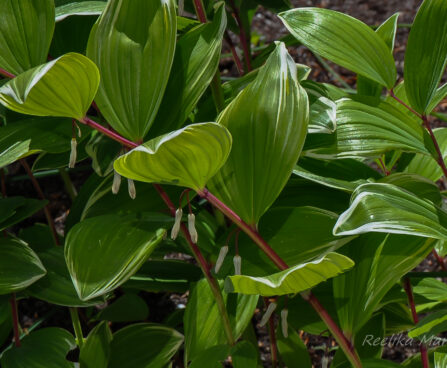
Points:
x=342, y=340
x=201, y=14
x=6, y=74
x=440, y=260
x=15, y=319
x=385, y=170
x=404, y=104
x=93, y=124
x=242, y=36
x=422, y=347
x=236, y=58
x=440, y=159
x=41, y=196
x=249, y=230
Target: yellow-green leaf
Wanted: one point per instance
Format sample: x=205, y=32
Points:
x=64, y=87
x=188, y=157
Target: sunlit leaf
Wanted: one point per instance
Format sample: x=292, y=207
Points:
x=387, y=208
x=426, y=54
x=81, y=8
x=268, y=122
x=343, y=40
x=188, y=157
x=14, y=152
x=65, y=87
x=134, y=58
x=293, y=280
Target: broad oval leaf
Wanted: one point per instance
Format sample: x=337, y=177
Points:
x=426, y=54
x=343, y=40
x=390, y=209
x=368, y=131
x=56, y=287
x=65, y=87
x=19, y=266
x=268, y=122
x=121, y=243
x=196, y=60
x=130, y=348
x=293, y=280
x=134, y=59
x=26, y=30
x=11, y=154
x=36, y=351
x=187, y=157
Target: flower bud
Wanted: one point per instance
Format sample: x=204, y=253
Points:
x=268, y=313
x=178, y=220
x=284, y=324
x=222, y=254
x=237, y=261
x=131, y=188
x=192, y=228
x=73, y=153
x=116, y=182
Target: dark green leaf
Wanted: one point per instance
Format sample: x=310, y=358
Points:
x=130, y=348
x=292, y=349
x=244, y=355
x=95, y=351
x=36, y=351
x=128, y=308
x=15, y=209
x=19, y=266
x=26, y=29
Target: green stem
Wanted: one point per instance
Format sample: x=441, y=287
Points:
x=69, y=187
x=15, y=319
x=77, y=326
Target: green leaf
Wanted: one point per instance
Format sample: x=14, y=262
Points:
x=203, y=323
x=431, y=325
x=387, y=208
x=426, y=54
x=14, y=152
x=95, y=351
x=322, y=117
x=196, y=60
x=127, y=308
x=103, y=152
x=16, y=209
x=380, y=261
x=426, y=165
x=188, y=157
x=368, y=131
x=279, y=227
x=130, y=346
x=36, y=351
x=122, y=243
x=431, y=289
x=212, y=357
x=82, y=8
x=344, y=40
x=244, y=355
x=387, y=31
x=64, y=87
x=440, y=360
x=26, y=29
x=292, y=349
x=134, y=59
x=164, y=276
x=56, y=287
x=291, y=281
x=19, y=266
x=268, y=122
